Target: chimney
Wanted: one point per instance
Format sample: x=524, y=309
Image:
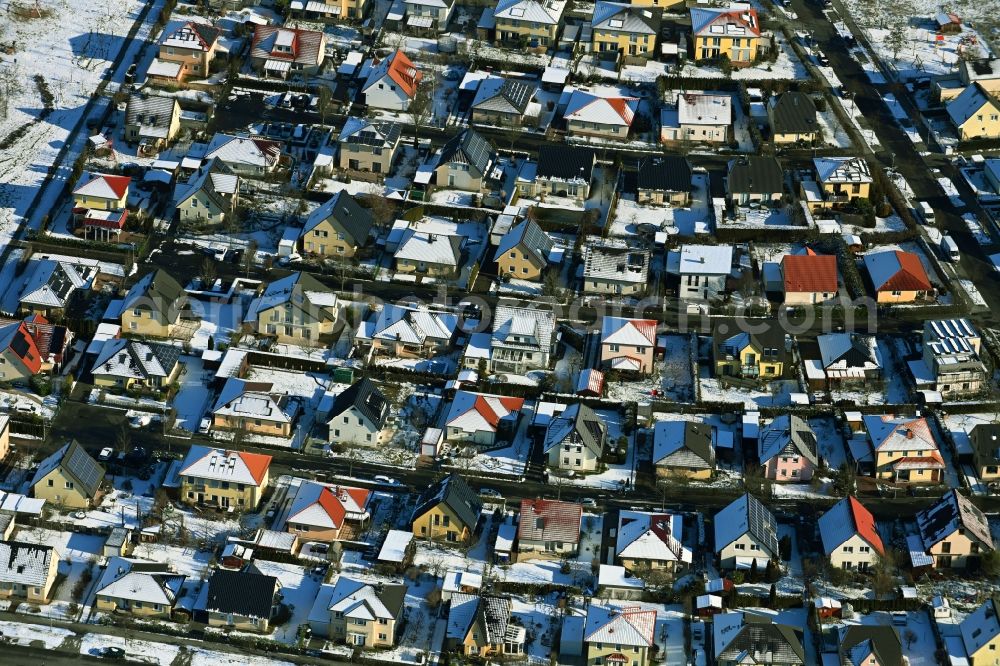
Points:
x=909, y=434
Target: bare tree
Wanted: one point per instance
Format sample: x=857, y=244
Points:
x=420, y=110
x=208, y=270
x=323, y=102
x=10, y=86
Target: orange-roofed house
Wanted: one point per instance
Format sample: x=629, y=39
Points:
x=722, y=32
x=327, y=512
x=224, y=479
x=904, y=450
x=19, y=355
x=897, y=276
x=549, y=529
x=280, y=52
x=850, y=536
x=590, y=114
x=475, y=418
x=619, y=636
x=809, y=279
x=628, y=344
x=392, y=83
x=99, y=204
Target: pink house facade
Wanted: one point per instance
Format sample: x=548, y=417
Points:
x=787, y=450
x=628, y=345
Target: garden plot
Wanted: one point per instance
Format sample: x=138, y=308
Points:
x=299, y=587
x=684, y=221
x=193, y=398
x=834, y=133
x=673, y=377
x=416, y=638
x=830, y=441
x=773, y=394
x=921, y=54
x=786, y=67
x=34, y=635
x=77, y=553
x=203, y=657
x=139, y=651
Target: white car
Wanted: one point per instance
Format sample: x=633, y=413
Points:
x=106, y=453
x=205, y=426
x=387, y=480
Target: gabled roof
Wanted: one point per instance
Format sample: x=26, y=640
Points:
x=52, y=283
x=629, y=626
x=529, y=11
x=454, y=493
x=18, y=339
x=746, y=515
x=522, y=328
x=400, y=69
x=968, y=103
x=847, y=518
x=132, y=359
x=729, y=338
x=861, y=641
x=687, y=445
x=477, y=412
x=615, y=261
x=896, y=270
x=630, y=332
x=651, y=536
x=150, y=111
x=842, y=170
x=249, y=151
x=363, y=601
x=981, y=626
x=503, y=95
x=550, y=520
x=622, y=17
x=528, y=237
x=565, y=162
x=215, y=180
x=577, y=423
x=325, y=506
x=724, y=22
x=891, y=433
x=345, y=211
x=241, y=399
x=702, y=108
x=742, y=636
x=193, y=36
x=158, y=288
x=140, y=580
x=375, y=133
x=809, y=273
x=102, y=186
x=292, y=44
x=855, y=349
x=410, y=325
x=755, y=174
x=203, y=462
x=314, y=300
x=25, y=563
x=985, y=441
x=952, y=512
x=246, y=593
x=431, y=248
x=469, y=148
x=74, y=462
x=787, y=435
x=793, y=112
x=664, y=173
x=587, y=107
x=364, y=396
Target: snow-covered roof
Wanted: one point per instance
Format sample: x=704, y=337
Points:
x=587, y=107
x=980, y=627
x=522, y=328
x=699, y=108
x=395, y=545
x=477, y=412
x=456, y=581
x=706, y=260
x=891, y=433
x=25, y=563
x=361, y=601
x=845, y=519
x=251, y=152
x=548, y=12
x=968, y=103
x=628, y=332
x=616, y=262
x=651, y=536
x=951, y=513
x=461, y=613
x=431, y=248
x=326, y=506
x=203, y=462
x=620, y=626
x=609, y=575
x=745, y=515
x=102, y=186
x=132, y=359
x=408, y=325
x=720, y=22
x=842, y=170
x=140, y=580
x=241, y=399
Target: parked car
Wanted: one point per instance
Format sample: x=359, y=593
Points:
x=589, y=502
x=105, y=453
x=388, y=480
x=490, y=492
x=112, y=652
x=205, y=426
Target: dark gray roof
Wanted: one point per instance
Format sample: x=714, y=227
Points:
x=793, y=112
x=244, y=593
x=755, y=175
x=365, y=396
x=665, y=173
x=985, y=441
x=511, y=96
x=698, y=440
x=883, y=641
x=150, y=110
x=345, y=212
x=578, y=424
x=77, y=464
x=528, y=236
x=456, y=494
x=761, y=635
x=392, y=597
x=565, y=162
x=766, y=333
x=470, y=148
x=158, y=287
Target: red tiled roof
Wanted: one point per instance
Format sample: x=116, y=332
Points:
x=864, y=523
x=329, y=502
x=621, y=107
x=560, y=521
x=118, y=184
x=359, y=495
x=22, y=345
x=816, y=273
x=257, y=464
x=736, y=17
x=405, y=73
x=911, y=275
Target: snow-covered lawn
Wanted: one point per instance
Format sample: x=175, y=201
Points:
x=695, y=219
x=34, y=634
x=77, y=553
x=774, y=394
x=192, y=400
x=137, y=650
x=298, y=591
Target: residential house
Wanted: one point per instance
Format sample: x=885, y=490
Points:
x=428, y=15
x=842, y=180
x=758, y=353
x=152, y=121
x=141, y=588
x=332, y=10
x=876, y=645
x=954, y=532
x=225, y=479
x=683, y=449
x=522, y=339
x=211, y=195
x=848, y=359
x=575, y=440
x=731, y=33
x=648, y=542
x=428, y=253
x=27, y=571
x=99, y=204
x=809, y=279
x=975, y=113
x=612, y=267
x=368, y=145
x=50, y=286
x=523, y=252
x=283, y=52
x=740, y=637
x=358, y=613
x=359, y=414
x=392, y=83
x=664, y=180
x=746, y=533
x=51, y=341
x=328, y=512
x=20, y=359
x=850, y=536
x=480, y=626
x=338, y=228
x=984, y=438
x=897, y=276
x=619, y=636
x=504, y=102
x=561, y=171
x=699, y=117
x=447, y=510
x=598, y=114
x=187, y=52
x=903, y=450
x=245, y=156
x=153, y=305
x=621, y=28
x=951, y=364
x=244, y=600
x=980, y=633
x=656, y=4
x=480, y=419
x=755, y=178
x=4, y=436
x=787, y=449
x=530, y=23
x=792, y=116
x=549, y=529
x=70, y=477
x=407, y=332
x=465, y=162
x=703, y=270
x=628, y=345
x=255, y=408
x=297, y=308
x=131, y=364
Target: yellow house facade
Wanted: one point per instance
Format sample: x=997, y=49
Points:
x=224, y=478
x=625, y=29
x=98, y=191
x=29, y=571
x=975, y=113
x=193, y=46
x=734, y=34
x=624, y=635
x=751, y=361
x=153, y=305
x=297, y=309
x=441, y=523
x=447, y=511
x=70, y=477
